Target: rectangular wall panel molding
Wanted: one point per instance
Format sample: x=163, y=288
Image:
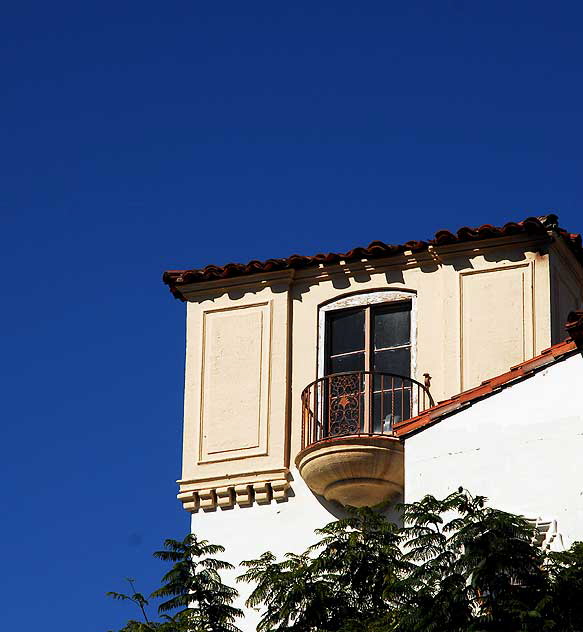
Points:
x=235, y=385
x=497, y=321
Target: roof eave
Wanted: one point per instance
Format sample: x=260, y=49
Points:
x=557, y=353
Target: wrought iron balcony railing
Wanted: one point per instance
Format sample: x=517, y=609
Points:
x=359, y=403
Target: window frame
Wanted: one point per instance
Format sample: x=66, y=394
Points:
x=368, y=349
x=360, y=300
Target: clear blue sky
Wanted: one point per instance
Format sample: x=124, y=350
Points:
x=140, y=136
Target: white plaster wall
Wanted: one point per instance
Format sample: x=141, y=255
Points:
x=247, y=532
x=522, y=448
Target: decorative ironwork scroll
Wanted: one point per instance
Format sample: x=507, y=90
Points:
x=344, y=404
x=363, y=402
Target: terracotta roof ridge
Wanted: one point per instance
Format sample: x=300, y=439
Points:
x=376, y=249
x=493, y=385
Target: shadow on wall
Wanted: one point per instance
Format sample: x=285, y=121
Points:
x=345, y=277
x=337, y=512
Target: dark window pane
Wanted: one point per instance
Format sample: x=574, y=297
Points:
x=392, y=326
x=393, y=361
x=391, y=382
x=390, y=408
x=382, y=382
x=346, y=331
x=351, y=362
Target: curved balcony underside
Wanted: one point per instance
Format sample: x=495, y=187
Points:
x=349, y=453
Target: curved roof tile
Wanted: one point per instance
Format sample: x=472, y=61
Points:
x=376, y=249
x=572, y=345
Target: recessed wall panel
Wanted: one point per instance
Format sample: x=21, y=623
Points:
x=496, y=321
x=234, y=389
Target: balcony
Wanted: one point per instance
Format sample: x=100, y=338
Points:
x=349, y=453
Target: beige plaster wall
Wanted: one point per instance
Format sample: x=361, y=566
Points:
x=478, y=313
x=236, y=393
x=252, y=347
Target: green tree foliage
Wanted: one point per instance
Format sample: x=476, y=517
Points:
x=195, y=598
x=338, y=582
x=455, y=565
x=566, y=594
x=474, y=568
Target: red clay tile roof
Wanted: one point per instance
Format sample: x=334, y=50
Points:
x=375, y=250
x=494, y=385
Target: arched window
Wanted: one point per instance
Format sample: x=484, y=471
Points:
x=371, y=336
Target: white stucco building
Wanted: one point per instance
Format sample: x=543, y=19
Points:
x=384, y=373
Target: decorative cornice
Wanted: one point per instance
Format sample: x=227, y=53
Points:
x=243, y=491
